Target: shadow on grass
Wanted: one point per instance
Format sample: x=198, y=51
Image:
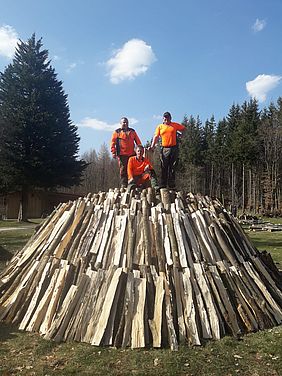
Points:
x=8, y=332
x=5, y=255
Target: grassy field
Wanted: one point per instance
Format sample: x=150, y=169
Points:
x=21, y=353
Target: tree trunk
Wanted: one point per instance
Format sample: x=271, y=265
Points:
x=22, y=216
x=243, y=188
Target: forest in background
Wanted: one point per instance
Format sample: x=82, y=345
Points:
x=238, y=160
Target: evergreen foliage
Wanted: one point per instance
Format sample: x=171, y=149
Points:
x=239, y=159
x=38, y=141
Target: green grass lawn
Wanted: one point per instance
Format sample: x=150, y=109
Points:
x=268, y=241
x=11, y=242
x=256, y=354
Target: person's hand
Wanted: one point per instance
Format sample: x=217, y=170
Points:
x=114, y=156
x=147, y=167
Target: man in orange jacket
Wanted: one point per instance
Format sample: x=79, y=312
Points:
x=140, y=171
x=169, y=149
x=122, y=147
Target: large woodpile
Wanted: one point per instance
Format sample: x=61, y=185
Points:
x=133, y=269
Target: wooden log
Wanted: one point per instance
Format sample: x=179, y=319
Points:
x=166, y=242
x=95, y=287
x=250, y=298
x=172, y=337
x=193, y=244
x=68, y=236
x=146, y=231
x=227, y=310
x=54, y=301
x=34, y=301
x=120, y=230
x=180, y=239
x=138, y=328
x=172, y=240
x=58, y=326
x=245, y=313
x=40, y=312
x=190, y=319
x=10, y=304
x=275, y=309
x=129, y=303
x=179, y=309
x=158, y=235
x=156, y=322
x=13, y=269
x=267, y=277
x=99, y=233
x=106, y=309
x=211, y=251
x=131, y=241
x=209, y=301
x=165, y=197
x=203, y=316
x=105, y=239
x=139, y=250
x=115, y=312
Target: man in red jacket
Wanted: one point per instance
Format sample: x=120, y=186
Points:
x=140, y=171
x=122, y=147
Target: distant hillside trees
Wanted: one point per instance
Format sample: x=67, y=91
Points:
x=238, y=160
x=38, y=141
x=102, y=172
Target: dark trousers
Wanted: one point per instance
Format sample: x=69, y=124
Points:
x=169, y=157
x=123, y=162
x=146, y=180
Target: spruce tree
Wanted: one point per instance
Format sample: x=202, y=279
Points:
x=38, y=141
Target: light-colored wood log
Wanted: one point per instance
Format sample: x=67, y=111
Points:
x=209, y=301
x=156, y=322
x=108, y=301
x=138, y=329
x=189, y=309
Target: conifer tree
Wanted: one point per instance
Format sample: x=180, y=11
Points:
x=39, y=142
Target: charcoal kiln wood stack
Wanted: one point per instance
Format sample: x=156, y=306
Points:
x=138, y=269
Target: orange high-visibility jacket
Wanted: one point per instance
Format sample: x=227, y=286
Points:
x=168, y=133
x=122, y=142
x=136, y=167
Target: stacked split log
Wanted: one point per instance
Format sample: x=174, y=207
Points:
x=134, y=269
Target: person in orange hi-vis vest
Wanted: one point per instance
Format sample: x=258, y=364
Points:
x=167, y=131
x=123, y=142
x=140, y=171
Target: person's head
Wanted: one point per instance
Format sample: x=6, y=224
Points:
x=166, y=118
x=124, y=123
x=139, y=150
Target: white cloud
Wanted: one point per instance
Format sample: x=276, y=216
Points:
x=259, y=25
x=102, y=125
x=261, y=85
x=133, y=59
x=157, y=117
x=71, y=67
x=8, y=40
x=56, y=58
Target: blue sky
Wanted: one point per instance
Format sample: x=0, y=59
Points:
x=142, y=58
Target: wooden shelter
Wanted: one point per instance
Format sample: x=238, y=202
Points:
x=135, y=269
x=40, y=203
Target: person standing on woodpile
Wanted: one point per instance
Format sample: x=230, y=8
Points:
x=140, y=171
x=168, y=131
x=122, y=147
